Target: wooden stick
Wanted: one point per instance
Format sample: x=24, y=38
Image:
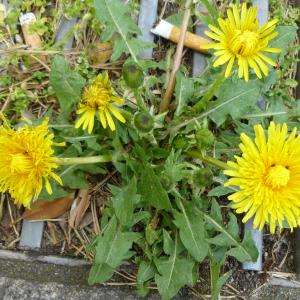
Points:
x=177, y=59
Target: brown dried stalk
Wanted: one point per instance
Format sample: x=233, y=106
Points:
x=177, y=59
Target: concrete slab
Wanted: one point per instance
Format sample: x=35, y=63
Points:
x=276, y=293
x=33, y=279
x=17, y=289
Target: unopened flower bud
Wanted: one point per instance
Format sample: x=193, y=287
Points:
x=133, y=75
x=203, y=177
x=204, y=138
x=143, y=121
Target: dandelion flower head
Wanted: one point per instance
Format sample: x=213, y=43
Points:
x=26, y=162
x=268, y=177
x=98, y=99
x=240, y=38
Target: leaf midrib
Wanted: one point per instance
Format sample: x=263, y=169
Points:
x=173, y=263
x=120, y=31
x=222, y=230
x=189, y=226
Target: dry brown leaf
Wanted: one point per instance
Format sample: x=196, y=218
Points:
x=79, y=207
x=44, y=209
x=86, y=220
x=100, y=53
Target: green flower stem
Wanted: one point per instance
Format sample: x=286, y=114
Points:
x=209, y=95
x=208, y=159
x=66, y=161
x=139, y=100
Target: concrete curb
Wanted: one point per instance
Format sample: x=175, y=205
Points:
x=29, y=275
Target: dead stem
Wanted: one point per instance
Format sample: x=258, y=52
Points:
x=125, y=276
x=12, y=244
x=95, y=218
x=1, y=205
x=12, y=220
x=41, y=62
x=177, y=59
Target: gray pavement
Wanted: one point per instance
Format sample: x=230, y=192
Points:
x=34, y=279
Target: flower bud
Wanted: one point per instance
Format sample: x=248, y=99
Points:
x=204, y=138
x=133, y=75
x=203, y=177
x=143, y=121
x=180, y=143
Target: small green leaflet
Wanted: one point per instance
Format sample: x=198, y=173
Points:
x=75, y=178
x=175, y=169
x=66, y=83
x=146, y=272
x=100, y=273
x=191, y=231
x=183, y=92
x=174, y=273
x=235, y=97
x=112, y=248
x=116, y=16
x=247, y=244
x=151, y=189
x=243, y=251
x=285, y=37
x=124, y=200
x=220, y=191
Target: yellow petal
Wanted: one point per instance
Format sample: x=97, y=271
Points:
x=246, y=69
x=102, y=119
x=222, y=25
x=48, y=186
x=229, y=66
x=222, y=60
x=80, y=121
x=241, y=68
x=267, y=59
x=255, y=67
x=271, y=36
x=56, y=177
x=244, y=13
x=216, y=30
x=271, y=50
x=117, y=114
x=262, y=65
x=91, y=125
x=220, y=52
x=231, y=18
x=267, y=32
x=267, y=25
x=110, y=121
x=236, y=16
x=213, y=36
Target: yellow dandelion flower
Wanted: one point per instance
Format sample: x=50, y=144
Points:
x=239, y=38
x=268, y=177
x=26, y=162
x=98, y=99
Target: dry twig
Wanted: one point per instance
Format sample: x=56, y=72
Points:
x=177, y=58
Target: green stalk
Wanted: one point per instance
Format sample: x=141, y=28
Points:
x=208, y=159
x=66, y=161
x=139, y=100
